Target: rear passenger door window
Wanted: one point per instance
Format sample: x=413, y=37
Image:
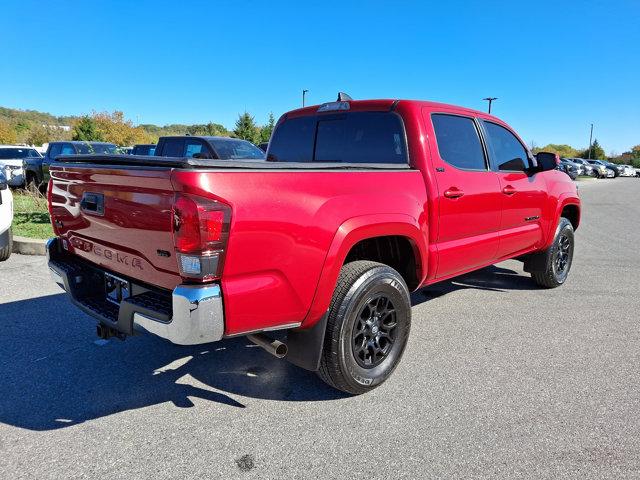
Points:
x=195, y=148
x=173, y=147
x=459, y=141
x=67, y=149
x=508, y=153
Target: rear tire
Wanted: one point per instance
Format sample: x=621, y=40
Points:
x=557, y=259
x=5, y=252
x=367, y=328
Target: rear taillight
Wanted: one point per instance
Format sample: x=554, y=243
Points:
x=200, y=234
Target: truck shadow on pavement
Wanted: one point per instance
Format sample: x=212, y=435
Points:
x=491, y=278
x=55, y=373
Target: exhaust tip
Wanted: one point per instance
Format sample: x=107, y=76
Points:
x=281, y=350
x=274, y=347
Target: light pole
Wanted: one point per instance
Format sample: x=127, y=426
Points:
x=590, y=137
x=304, y=92
x=490, y=100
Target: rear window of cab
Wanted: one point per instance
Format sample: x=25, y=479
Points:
x=352, y=137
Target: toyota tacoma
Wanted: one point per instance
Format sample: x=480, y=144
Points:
x=357, y=204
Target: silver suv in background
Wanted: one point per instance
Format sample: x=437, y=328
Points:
x=11, y=162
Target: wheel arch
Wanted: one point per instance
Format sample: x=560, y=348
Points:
x=358, y=239
x=571, y=212
x=567, y=206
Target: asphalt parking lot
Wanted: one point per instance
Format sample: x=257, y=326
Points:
x=500, y=379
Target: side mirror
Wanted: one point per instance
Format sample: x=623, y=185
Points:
x=547, y=161
x=3, y=181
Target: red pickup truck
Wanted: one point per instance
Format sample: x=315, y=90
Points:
x=357, y=204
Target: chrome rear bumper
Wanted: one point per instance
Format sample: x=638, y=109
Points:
x=189, y=315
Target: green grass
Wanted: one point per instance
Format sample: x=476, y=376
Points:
x=30, y=215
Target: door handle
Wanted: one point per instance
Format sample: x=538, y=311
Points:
x=453, y=192
x=509, y=190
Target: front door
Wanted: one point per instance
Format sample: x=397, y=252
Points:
x=469, y=198
x=524, y=194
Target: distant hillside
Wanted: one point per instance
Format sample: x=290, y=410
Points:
x=34, y=127
x=13, y=116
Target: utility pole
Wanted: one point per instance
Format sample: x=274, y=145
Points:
x=590, y=137
x=490, y=100
x=304, y=92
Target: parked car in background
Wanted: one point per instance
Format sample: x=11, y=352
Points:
x=11, y=162
x=578, y=165
x=6, y=218
x=359, y=203
x=627, y=171
x=601, y=169
x=587, y=168
x=124, y=150
x=216, y=148
x=569, y=168
x=143, y=149
x=36, y=170
x=263, y=146
x=617, y=169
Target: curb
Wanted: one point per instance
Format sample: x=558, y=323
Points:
x=29, y=246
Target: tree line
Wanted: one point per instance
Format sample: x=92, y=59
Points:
x=596, y=152
x=36, y=128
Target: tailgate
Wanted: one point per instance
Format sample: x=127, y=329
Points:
x=118, y=218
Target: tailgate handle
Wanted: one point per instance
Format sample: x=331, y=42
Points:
x=92, y=203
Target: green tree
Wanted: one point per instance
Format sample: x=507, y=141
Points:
x=597, y=152
x=212, y=129
x=86, y=129
x=246, y=128
x=561, y=149
x=39, y=134
x=267, y=130
x=7, y=133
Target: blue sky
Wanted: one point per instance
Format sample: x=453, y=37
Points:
x=555, y=66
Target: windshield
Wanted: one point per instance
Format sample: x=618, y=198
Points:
x=12, y=153
x=236, y=149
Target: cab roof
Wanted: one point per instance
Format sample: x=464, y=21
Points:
x=387, y=104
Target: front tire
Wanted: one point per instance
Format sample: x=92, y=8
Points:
x=367, y=328
x=557, y=259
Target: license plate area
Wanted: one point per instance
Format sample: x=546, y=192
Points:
x=116, y=288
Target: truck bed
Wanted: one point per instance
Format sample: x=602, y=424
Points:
x=284, y=219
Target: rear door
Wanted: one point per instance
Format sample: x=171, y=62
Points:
x=468, y=194
x=523, y=194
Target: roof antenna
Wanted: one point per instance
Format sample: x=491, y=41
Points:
x=343, y=97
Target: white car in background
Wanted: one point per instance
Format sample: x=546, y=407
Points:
x=11, y=162
x=628, y=171
x=6, y=218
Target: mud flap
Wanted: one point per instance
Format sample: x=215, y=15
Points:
x=305, y=346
